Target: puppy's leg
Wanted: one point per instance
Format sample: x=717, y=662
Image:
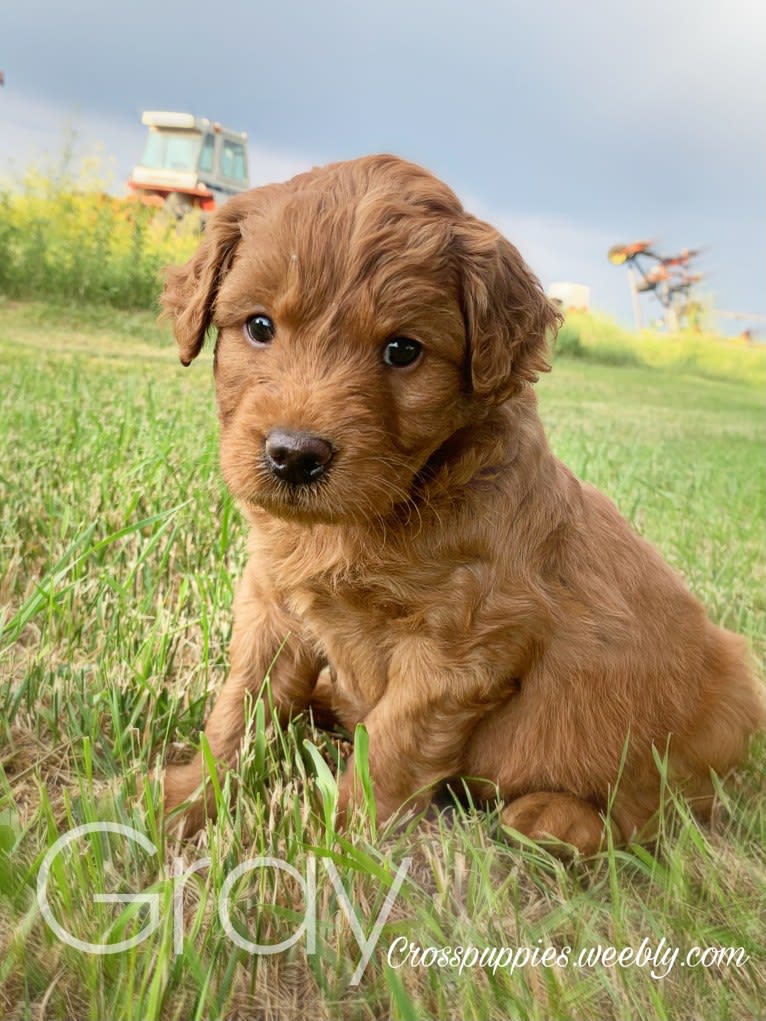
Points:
x=266, y=641
x=414, y=742
x=558, y=816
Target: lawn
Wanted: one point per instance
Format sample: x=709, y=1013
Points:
x=120, y=550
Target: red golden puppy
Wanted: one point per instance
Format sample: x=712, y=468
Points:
x=482, y=612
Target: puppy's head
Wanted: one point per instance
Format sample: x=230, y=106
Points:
x=363, y=318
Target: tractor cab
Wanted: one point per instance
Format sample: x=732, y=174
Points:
x=189, y=162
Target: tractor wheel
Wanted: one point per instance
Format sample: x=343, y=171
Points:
x=177, y=205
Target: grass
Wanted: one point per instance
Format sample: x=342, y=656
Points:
x=119, y=554
x=597, y=338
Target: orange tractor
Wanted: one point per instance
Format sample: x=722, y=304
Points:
x=189, y=163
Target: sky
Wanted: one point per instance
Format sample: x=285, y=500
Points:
x=572, y=126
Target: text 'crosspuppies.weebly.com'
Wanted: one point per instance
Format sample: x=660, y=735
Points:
x=656, y=958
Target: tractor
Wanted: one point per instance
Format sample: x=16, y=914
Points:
x=189, y=163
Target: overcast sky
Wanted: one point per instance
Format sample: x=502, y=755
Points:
x=570, y=125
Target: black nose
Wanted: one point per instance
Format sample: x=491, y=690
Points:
x=297, y=458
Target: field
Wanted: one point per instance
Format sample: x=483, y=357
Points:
x=120, y=550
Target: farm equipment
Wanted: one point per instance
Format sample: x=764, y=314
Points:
x=668, y=278
x=189, y=163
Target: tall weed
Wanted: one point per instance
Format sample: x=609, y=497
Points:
x=64, y=238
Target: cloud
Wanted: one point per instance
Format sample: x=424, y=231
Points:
x=270, y=165
x=561, y=249
x=40, y=133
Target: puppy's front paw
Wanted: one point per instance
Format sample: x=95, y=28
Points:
x=188, y=798
x=553, y=816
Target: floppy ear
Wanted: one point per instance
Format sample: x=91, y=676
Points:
x=508, y=318
x=190, y=290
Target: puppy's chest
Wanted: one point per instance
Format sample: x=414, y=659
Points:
x=364, y=609
x=358, y=627
x=390, y=599
x=364, y=624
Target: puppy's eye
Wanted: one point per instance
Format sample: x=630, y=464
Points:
x=260, y=329
x=401, y=351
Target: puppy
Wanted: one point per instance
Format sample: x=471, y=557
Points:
x=483, y=613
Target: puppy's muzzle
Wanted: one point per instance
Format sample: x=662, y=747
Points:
x=297, y=457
